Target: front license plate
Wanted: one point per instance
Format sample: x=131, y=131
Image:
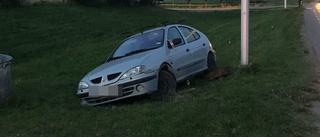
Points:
x=105, y=91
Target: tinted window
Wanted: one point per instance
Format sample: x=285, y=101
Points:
x=173, y=33
x=187, y=33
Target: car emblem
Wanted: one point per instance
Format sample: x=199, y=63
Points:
x=103, y=79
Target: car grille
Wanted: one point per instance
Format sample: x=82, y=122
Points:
x=126, y=92
x=113, y=76
x=96, y=80
x=110, y=77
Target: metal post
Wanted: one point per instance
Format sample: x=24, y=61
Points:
x=244, y=32
x=285, y=4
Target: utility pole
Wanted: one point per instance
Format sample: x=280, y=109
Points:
x=285, y=4
x=244, y=32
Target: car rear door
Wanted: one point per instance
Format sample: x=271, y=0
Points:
x=197, y=47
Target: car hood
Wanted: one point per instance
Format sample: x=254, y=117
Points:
x=117, y=67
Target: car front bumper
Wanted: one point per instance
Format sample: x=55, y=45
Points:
x=129, y=88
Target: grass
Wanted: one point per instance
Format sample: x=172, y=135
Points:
x=54, y=46
x=218, y=4
x=275, y=2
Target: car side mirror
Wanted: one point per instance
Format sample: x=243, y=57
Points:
x=176, y=41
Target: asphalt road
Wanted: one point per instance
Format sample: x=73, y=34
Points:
x=312, y=22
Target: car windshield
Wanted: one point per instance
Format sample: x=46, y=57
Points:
x=140, y=43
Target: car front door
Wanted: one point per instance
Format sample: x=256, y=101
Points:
x=179, y=55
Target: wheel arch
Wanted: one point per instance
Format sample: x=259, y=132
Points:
x=214, y=55
x=167, y=67
x=209, y=69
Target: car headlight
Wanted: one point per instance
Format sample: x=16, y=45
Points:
x=134, y=71
x=83, y=85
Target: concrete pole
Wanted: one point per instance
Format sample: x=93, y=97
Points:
x=285, y=4
x=244, y=32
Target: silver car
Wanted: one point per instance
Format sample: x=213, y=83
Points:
x=151, y=62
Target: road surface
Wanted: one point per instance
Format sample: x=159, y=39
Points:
x=312, y=22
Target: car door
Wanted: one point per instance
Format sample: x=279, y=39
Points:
x=179, y=55
x=197, y=47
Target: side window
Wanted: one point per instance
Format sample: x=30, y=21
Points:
x=187, y=31
x=196, y=35
x=173, y=33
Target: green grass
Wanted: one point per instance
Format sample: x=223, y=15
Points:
x=54, y=46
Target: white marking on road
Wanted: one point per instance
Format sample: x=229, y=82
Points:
x=309, y=8
x=314, y=11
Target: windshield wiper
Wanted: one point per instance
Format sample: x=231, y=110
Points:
x=113, y=58
x=130, y=53
x=138, y=51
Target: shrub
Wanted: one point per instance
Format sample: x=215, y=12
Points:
x=103, y=3
x=10, y=4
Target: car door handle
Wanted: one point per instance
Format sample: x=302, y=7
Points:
x=187, y=50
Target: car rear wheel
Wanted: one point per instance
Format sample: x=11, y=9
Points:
x=211, y=63
x=166, y=86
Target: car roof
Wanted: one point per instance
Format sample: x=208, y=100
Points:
x=157, y=28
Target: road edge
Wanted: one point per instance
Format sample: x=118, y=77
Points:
x=314, y=105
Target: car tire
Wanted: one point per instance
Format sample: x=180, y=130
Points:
x=211, y=63
x=166, y=87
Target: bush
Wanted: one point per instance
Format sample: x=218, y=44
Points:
x=92, y=3
x=10, y=4
x=230, y=2
x=103, y=3
x=147, y=2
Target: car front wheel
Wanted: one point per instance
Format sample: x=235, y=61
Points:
x=166, y=86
